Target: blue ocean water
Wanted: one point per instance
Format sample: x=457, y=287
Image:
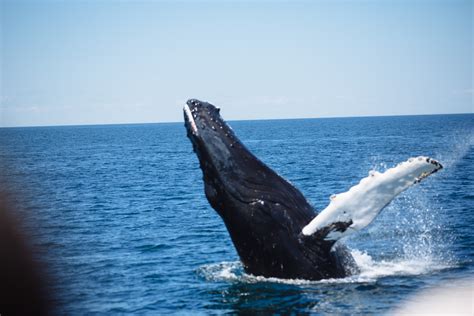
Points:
x=118, y=214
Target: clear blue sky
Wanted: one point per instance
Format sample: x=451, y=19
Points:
x=90, y=62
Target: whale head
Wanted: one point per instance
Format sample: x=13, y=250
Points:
x=234, y=179
x=230, y=171
x=213, y=141
x=221, y=156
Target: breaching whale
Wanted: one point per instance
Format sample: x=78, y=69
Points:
x=276, y=232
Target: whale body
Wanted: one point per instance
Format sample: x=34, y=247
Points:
x=274, y=229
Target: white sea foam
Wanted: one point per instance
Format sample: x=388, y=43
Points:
x=370, y=270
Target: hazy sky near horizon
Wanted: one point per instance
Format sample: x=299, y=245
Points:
x=100, y=62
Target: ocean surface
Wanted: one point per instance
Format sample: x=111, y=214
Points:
x=118, y=214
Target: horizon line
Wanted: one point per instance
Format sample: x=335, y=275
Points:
x=233, y=120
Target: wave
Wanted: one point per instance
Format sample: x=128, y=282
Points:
x=370, y=271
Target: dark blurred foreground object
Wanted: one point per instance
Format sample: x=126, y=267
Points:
x=22, y=281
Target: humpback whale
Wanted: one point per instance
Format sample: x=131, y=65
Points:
x=274, y=229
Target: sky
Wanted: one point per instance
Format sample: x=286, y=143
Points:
x=105, y=62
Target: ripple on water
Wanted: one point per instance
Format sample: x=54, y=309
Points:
x=120, y=216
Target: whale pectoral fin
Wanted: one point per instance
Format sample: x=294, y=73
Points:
x=332, y=230
x=353, y=210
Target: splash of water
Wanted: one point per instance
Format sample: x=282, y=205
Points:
x=370, y=271
x=461, y=145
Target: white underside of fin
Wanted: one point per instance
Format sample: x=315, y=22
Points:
x=353, y=210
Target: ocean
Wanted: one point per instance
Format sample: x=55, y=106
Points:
x=118, y=216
